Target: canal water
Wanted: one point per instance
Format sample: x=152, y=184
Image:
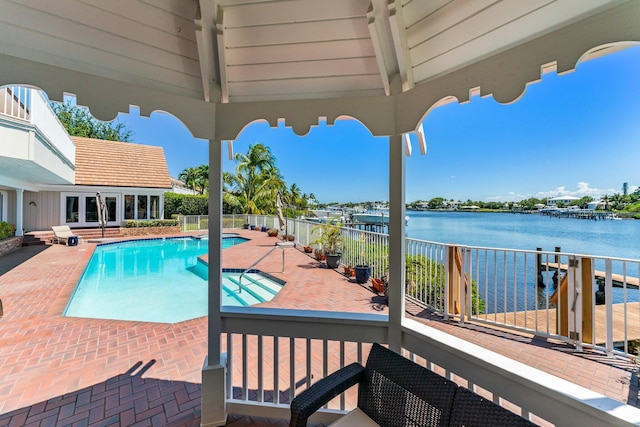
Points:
x=607, y=238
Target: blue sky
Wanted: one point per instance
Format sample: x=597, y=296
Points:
x=576, y=134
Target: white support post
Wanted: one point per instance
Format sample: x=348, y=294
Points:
x=608, y=298
x=214, y=399
x=577, y=305
x=447, y=278
x=19, y=212
x=396, y=240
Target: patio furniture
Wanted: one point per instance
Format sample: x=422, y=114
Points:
x=394, y=391
x=63, y=234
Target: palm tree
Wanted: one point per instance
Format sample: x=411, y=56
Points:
x=202, y=178
x=253, y=188
x=190, y=178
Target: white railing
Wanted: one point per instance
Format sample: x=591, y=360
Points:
x=598, y=305
x=278, y=353
x=31, y=106
x=15, y=101
x=358, y=247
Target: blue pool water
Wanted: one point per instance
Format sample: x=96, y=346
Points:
x=159, y=280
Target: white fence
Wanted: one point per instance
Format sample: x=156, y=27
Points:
x=278, y=353
x=274, y=354
x=597, y=304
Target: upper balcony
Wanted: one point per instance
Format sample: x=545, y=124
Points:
x=35, y=149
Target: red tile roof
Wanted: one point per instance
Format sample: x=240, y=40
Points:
x=120, y=164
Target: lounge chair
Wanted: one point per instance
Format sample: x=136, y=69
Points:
x=63, y=234
x=393, y=391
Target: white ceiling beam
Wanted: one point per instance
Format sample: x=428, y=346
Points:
x=222, y=60
x=207, y=45
x=377, y=41
x=398, y=32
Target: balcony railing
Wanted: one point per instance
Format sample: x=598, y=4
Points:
x=278, y=353
x=597, y=304
x=274, y=354
x=31, y=109
x=15, y=101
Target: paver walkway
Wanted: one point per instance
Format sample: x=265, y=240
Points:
x=56, y=370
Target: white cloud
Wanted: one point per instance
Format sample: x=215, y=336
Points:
x=582, y=189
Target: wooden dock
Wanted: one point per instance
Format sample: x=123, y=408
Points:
x=545, y=321
x=618, y=280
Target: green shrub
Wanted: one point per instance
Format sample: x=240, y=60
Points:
x=132, y=223
x=185, y=204
x=6, y=230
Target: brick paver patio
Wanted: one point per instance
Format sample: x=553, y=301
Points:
x=57, y=370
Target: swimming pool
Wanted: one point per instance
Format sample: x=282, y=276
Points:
x=159, y=280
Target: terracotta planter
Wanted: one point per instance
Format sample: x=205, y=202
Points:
x=378, y=284
x=308, y=249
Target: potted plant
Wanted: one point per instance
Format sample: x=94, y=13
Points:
x=378, y=284
x=330, y=241
x=308, y=249
x=363, y=272
x=349, y=271
x=319, y=253
x=362, y=268
x=272, y=232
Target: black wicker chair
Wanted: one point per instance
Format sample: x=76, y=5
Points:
x=393, y=391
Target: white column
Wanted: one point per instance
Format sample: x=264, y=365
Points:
x=214, y=412
x=19, y=211
x=396, y=240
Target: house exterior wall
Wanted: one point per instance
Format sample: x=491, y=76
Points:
x=11, y=206
x=44, y=209
x=41, y=210
x=8, y=209
x=14, y=141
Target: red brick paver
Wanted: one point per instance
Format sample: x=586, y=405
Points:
x=46, y=357
x=56, y=370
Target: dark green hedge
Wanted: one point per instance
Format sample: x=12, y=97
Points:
x=132, y=223
x=6, y=230
x=185, y=204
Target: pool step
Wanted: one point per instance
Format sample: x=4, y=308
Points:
x=254, y=286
